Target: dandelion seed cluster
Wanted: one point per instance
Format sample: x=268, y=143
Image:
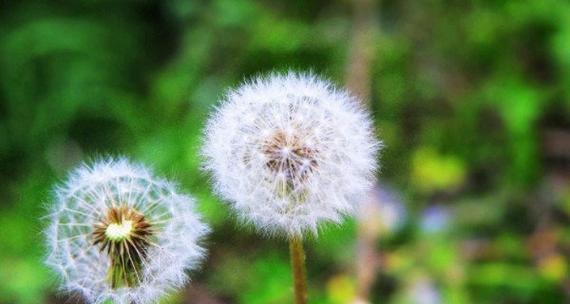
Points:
x=119, y=233
x=290, y=151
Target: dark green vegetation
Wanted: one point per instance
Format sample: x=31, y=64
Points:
x=472, y=99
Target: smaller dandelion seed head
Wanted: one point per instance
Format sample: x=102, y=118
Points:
x=118, y=233
x=289, y=151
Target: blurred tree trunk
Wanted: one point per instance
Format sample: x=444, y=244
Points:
x=358, y=80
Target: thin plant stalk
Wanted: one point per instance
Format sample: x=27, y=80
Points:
x=298, y=268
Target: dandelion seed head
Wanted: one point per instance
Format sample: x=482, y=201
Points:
x=289, y=151
x=118, y=233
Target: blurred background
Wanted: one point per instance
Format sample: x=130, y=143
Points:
x=471, y=98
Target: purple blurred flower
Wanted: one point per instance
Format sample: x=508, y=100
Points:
x=423, y=291
x=435, y=219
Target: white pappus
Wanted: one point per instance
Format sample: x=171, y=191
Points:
x=118, y=233
x=289, y=151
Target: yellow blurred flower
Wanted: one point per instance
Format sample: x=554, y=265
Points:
x=553, y=267
x=433, y=172
x=341, y=289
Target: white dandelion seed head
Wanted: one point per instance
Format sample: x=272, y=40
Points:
x=289, y=151
x=159, y=226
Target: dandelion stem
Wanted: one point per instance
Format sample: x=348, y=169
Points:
x=298, y=267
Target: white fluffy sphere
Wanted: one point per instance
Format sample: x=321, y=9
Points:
x=117, y=203
x=290, y=151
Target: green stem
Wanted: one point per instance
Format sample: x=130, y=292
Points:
x=298, y=267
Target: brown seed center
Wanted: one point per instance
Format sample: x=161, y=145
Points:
x=289, y=155
x=124, y=233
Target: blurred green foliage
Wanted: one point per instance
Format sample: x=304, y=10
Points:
x=472, y=99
